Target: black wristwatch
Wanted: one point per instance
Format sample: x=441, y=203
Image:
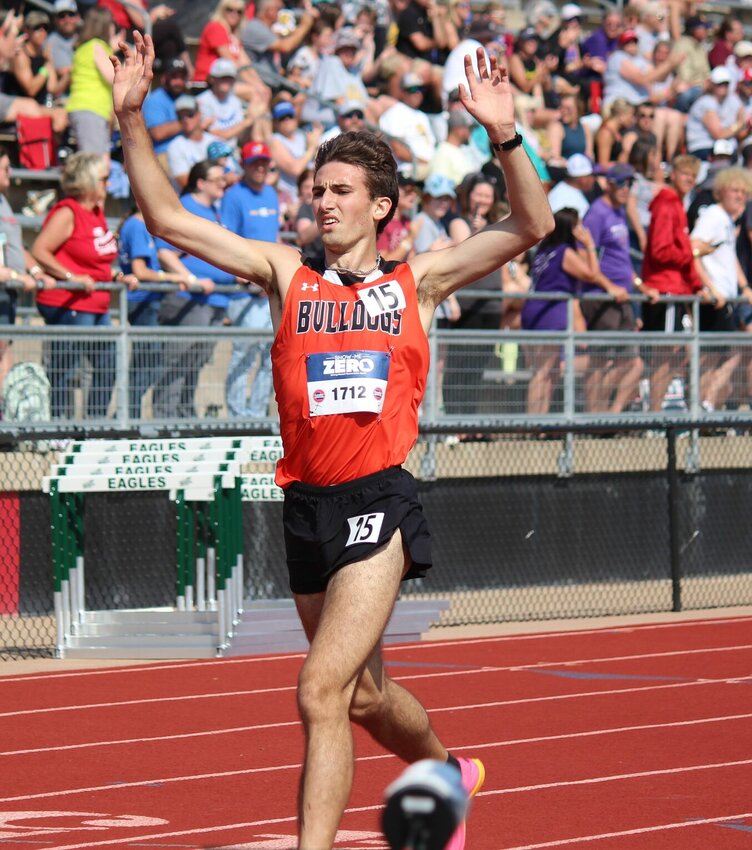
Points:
x=509, y=145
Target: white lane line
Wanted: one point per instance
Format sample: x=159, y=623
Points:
x=407, y=678
x=637, y=627
x=640, y=656
x=169, y=780
x=204, y=830
x=161, y=835
x=614, y=777
x=146, y=701
x=613, y=730
x=154, y=781
x=148, y=668
x=582, y=694
x=150, y=739
x=255, y=659
x=262, y=726
x=641, y=830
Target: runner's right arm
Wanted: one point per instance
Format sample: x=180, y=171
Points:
x=264, y=263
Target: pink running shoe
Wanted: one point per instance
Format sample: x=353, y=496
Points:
x=473, y=775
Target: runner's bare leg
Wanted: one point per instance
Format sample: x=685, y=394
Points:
x=343, y=679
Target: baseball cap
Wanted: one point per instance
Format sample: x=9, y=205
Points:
x=746, y=77
x=578, y=165
x=346, y=37
x=483, y=29
x=627, y=36
x=186, y=102
x=439, y=186
x=254, y=150
x=694, y=21
x=351, y=106
x=459, y=118
x=35, y=18
x=723, y=147
x=217, y=150
x=743, y=48
x=569, y=11
x=174, y=66
x=719, y=75
x=620, y=173
x=223, y=68
x=407, y=180
x=282, y=109
x=60, y=6
x=411, y=81
x=528, y=34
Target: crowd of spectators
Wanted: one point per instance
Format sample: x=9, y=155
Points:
x=631, y=120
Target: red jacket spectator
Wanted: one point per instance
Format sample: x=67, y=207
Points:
x=669, y=265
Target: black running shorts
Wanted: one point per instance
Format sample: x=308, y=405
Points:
x=329, y=527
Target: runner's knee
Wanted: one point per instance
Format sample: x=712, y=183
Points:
x=318, y=699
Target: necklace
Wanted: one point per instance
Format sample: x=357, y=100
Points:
x=358, y=272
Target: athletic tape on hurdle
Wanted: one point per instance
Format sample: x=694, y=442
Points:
x=204, y=481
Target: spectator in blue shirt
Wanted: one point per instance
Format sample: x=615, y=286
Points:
x=200, y=306
x=251, y=209
x=159, y=107
x=138, y=256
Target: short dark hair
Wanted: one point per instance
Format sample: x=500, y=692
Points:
x=199, y=171
x=371, y=154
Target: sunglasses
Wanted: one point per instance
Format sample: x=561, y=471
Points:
x=413, y=90
x=620, y=184
x=62, y=15
x=356, y=113
x=185, y=113
x=234, y=10
x=39, y=27
x=646, y=114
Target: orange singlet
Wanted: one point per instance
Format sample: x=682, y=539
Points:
x=350, y=366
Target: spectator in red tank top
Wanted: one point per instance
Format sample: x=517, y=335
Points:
x=128, y=17
x=75, y=246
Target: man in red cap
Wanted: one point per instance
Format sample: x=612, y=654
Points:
x=251, y=209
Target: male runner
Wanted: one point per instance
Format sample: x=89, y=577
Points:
x=350, y=360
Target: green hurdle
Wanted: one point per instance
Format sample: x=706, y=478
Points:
x=202, y=476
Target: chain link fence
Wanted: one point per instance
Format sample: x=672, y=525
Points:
x=549, y=493
x=526, y=526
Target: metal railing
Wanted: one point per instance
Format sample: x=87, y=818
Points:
x=477, y=376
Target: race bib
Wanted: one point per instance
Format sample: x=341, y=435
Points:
x=364, y=528
x=347, y=382
x=382, y=298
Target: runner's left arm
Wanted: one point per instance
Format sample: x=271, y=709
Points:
x=488, y=98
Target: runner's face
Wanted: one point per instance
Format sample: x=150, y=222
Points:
x=343, y=209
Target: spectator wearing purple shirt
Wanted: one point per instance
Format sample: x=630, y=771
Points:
x=615, y=371
x=603, y=41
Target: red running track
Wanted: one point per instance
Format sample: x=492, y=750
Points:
x=625, y=738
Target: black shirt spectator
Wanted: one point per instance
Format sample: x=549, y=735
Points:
x=415, y=28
